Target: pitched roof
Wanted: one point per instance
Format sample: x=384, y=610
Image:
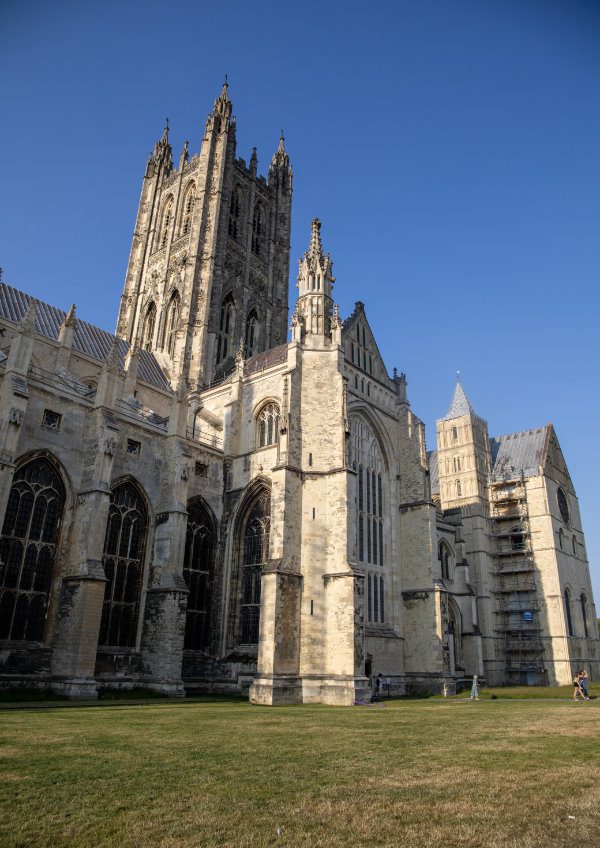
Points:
x=460, y=404
x=519, y=452
x=267, y=359
x=87, y=339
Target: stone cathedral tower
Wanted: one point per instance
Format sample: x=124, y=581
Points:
x=209, y=261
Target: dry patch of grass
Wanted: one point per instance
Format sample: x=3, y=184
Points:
x=220, y=774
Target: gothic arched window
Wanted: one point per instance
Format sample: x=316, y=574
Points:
x=187, y=209
x=226, y=329
x=28, y=549
x=171, y=324
x=583, y=602
x=257, y=229
x=568, y=614
x=368, y=462
x=574, y=543
x=255, y=554
x=235, y=209
x=267, y=420
x=458, y=489
x=445, y=558
x=198, y=567
x=167, y=217
x=251, y=334
x=149, y=324
x=123, y=562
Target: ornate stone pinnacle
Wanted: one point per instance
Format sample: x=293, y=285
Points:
x=112, y=363
x=70, y=318
x=336, y=321
x=28, y=322
x=316, y=248
x=239, y=356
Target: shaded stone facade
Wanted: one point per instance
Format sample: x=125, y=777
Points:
x=199, y=504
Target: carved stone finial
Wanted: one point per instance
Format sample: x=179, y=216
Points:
x=315, y=248
x=112, y=363
x=239, y=356
x=28, y=322
x=71, y=318
x=184, y=154
x=336, y=321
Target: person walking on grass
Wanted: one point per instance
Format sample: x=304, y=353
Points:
x=578, y=690
x=475, y=689
x=583, y=684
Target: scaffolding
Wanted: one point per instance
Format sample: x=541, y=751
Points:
x=518, y=612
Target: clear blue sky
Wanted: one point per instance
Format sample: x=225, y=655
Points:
x=451, y=149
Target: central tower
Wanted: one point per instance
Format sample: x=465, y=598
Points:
x=209, y=261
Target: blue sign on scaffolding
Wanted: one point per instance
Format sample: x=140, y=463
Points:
x=527, y=615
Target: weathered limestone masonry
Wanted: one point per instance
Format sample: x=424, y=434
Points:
x=200, y=504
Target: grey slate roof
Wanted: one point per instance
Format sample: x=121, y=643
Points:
x=87, y=339
x=520, y=452
x=460, y=403
x=511, y=454
x=268, y=359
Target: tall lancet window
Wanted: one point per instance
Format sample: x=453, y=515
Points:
x=123, y=562
x=171, y=323
x=28, y=549
x=226, y=329
x=188, y=207
x=198, y=566
x=367, y=460
x=257, y=229
x=255, y=547
x=149, y=325
x=251, y=334
x=235, y=210
x=267, y=420
x=167, y=218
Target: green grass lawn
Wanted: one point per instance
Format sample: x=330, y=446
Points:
x=495, y=773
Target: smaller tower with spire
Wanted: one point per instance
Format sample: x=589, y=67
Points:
x=315, y=290
x=463, y=452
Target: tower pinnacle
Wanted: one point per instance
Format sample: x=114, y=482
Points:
x=315, y=284
x=316, y=248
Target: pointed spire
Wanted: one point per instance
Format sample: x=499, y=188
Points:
x=112, y=362
x=184, y=155
x=223, y=103
x=71, y=318
x=28, y=322
x=315, y=285
x=253, y=162
x=239, y=356
x=315, y=248
x=163, y=153
x=460, y=404
x=280, y=157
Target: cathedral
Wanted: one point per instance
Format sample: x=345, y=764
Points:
x=221, y=498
